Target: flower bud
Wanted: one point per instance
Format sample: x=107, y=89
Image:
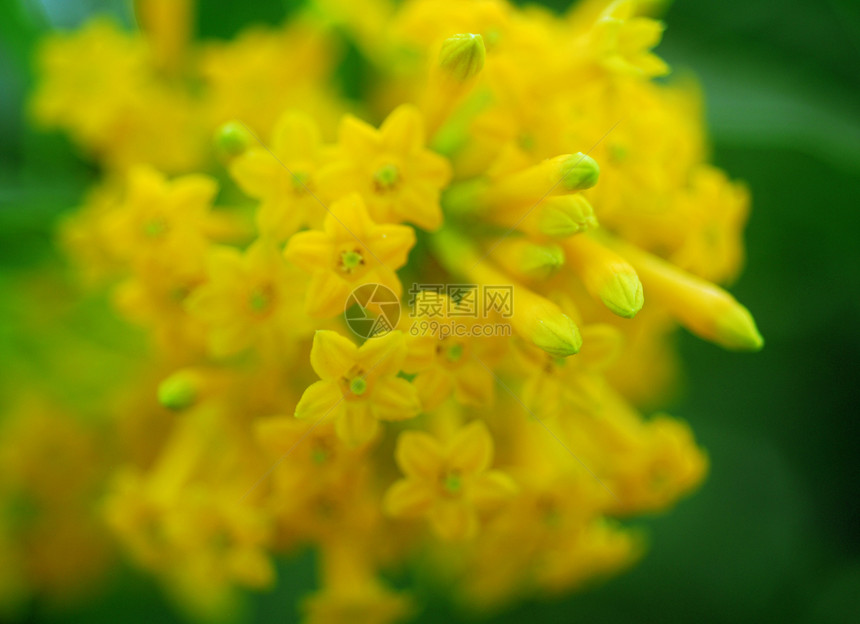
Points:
x=232, y=138
x=181, y=390
x=579, y=172
x=605, y=275
x=563, y=216
x=462, y=56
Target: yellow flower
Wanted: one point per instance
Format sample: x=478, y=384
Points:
x=625, y=41
x=51, y=465
x=448, y=482
x=265, y=71
x=350, y=251
x=284, y=180
x=160, y=218
x=596, y=550
x=156, y=297
x=89, y=80
x=351, y=592
x=668, y=465
x=321, y=490
x=445, y=361
x=168, y=25
x=248, y=300
x=715, y=211
x=554, y=386
x=397, y=175
x=358, y=386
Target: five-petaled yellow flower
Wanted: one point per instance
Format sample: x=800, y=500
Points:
x=350, y=251
x=400, y=178
x=358, y=386
x=161, y=217
x=284, y=180
x=451, y=359
x=248, y=300
x=448, y=482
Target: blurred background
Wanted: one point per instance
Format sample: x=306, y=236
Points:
x=773, y=534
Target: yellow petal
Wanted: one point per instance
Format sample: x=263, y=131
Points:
x=434, y=386
x=256, y=173
x=252, y=567
x=407, y=498
x=403, y=130
x=422, y=209
x=391, y=244
x=432, y=169
x=357, y=426
x=320, y=399
x=193, y=190
x=385, y=276
x=310, y=251
x=471, y=450
x=419, y=455
x=453, y=520
x=358, y=138
x=326, y=295
x=277, y=433
x=473, y=384
x=295, y=137
x=332, y=355
x=384, y=355
x=146, y=182
x=348, y=219
x=230, y=339
x=279, y=218
x=338, y=178
x=601, y=345
x=394, y=398
x=420, y=352
x=491, y=489
x=641, y=33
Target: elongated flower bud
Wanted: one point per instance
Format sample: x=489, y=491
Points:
x=563, y=174
x=452, y=78
x=561, y=216
x=526, y=259
x=702, y=307
x=606, y=275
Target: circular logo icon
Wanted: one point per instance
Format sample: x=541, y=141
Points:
x=372, y=310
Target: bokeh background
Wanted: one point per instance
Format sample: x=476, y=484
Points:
x=774, y=534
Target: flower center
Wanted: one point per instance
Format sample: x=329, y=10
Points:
x=452, y=483
x=450, y=354
x=354, y=384
x=320, y=452
x=386, y=178
x=358, y=386
x=455, y=352
x=260, y=299
x=300, y=181
x=155, y=227
x=351, y=260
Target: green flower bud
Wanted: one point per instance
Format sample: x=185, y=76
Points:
x=462, y=56
x=579, y=172
x=232, y=138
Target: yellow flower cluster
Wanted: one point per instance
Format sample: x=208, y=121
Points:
x=525, y=157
